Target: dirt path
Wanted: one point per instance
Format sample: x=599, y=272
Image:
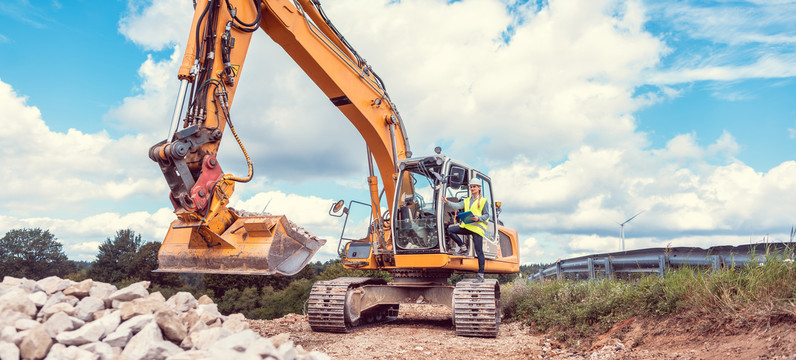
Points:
x=426, y=332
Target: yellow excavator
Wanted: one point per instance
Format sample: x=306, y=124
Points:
x=408, y=240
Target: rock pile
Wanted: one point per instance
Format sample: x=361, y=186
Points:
x=57, y=319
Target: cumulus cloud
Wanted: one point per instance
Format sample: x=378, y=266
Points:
x=81, y=237
x=543, y=96
x=156, y=25
x=44, y=169
x=580, y=202
x=565, y=76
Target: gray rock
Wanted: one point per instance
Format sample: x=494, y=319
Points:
x=7, y=333
x=63, y=352
x=29, y=285
x=186, y=343
x=57, y=323
x=35, y=344
x=189, y=318
x=102, y=291
x=129, y=293
x=235, y=323
x=149, y=344
x=103, y=350
x=192, y=355
x=48, y=311
x=204, y=300
x=221, y=353
x=89, y=333
x=8, y=351
x=118, y=338
x=18, y=301
x=197, y=327
x=182, y=301
x=143, y=306
x=157, y=296
x=207, y=317
x=238, y=342
x=262, y=348
x=8, y=318
x=53, y=284
x=204, y=339
x=38, y=298
x=211, y=309
x=287, y=351
x=86, y=308
x=279, y=339
x=110, y=322
x=136, y=323
x=53, y=299
x=76, y=323
x=25, y=324
x=171, y=326
x=80, y=290
x=11, y=281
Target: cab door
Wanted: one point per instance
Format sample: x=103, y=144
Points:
x=491, y=246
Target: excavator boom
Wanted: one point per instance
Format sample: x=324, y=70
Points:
x=409, y=240
x=208, y=236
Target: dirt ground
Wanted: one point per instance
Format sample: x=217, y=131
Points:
x=426, y=332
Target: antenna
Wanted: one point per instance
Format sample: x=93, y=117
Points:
x=622, y=228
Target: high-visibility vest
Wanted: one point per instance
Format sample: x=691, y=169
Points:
x=478, y=227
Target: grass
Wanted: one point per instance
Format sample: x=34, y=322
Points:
x=574, y=310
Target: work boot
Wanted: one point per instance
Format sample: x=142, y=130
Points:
x=479, y=278
x=462, y=250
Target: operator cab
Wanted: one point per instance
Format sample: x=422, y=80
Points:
x=421, y=216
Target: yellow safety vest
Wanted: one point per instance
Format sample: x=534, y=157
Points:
x=476, y=227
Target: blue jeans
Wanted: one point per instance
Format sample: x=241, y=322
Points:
x=478, y=243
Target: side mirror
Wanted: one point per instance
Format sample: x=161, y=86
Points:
x=497, y=206
x=456, y=176
x=338, y=209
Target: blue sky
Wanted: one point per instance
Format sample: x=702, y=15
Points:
x=583, y=112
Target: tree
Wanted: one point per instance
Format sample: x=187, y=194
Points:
x=145, y=261
x=33, y=254
x=115, y=258
x=220, y=283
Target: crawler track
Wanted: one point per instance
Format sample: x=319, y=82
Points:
x=476, y=308
x=327, y=301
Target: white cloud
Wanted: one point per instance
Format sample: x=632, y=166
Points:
x=81, y=238
x=156, y=25
x=746, y=40
x=45, y=169
x=549, y=109
x=682, y=195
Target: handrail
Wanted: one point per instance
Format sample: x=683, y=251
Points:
x=658, y=260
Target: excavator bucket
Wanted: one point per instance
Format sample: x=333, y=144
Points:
x=252, y=245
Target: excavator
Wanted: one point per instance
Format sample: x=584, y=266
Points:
x=408, y=239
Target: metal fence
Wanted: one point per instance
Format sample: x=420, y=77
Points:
x=657, y=260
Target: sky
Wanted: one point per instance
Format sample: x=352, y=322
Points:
x=583, y=112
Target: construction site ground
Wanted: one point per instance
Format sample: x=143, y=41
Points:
x=426, y=332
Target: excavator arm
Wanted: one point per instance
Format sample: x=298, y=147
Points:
x=208, y=236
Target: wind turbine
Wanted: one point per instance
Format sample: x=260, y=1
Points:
x=622, y=228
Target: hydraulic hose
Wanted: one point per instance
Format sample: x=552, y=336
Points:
x=245, y=153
